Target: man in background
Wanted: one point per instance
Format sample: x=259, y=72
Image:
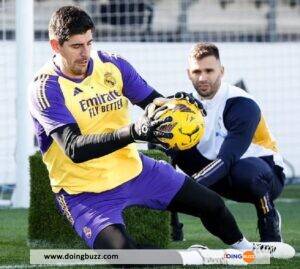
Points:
x=237, y=157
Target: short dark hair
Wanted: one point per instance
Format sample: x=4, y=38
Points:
x=68, y=21
x=201, y=50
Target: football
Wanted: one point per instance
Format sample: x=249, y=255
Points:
x=187, y=125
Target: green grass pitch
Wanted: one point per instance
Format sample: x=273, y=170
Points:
x=14, y=249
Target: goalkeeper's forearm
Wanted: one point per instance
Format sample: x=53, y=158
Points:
x=80, y=148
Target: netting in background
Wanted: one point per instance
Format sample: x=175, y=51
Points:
x=184, y=20
x=258, y=40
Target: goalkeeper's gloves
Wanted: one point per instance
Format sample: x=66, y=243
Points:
x=145, y=129
x=161, y=101
x=191, y=99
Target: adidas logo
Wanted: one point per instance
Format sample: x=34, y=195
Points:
x=76, y=91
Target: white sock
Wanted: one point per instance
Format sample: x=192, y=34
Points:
x=242, y=244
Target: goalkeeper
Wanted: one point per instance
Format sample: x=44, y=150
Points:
x=79, y=105
x=237, y=157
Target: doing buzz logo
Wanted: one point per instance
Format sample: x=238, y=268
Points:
x=109, y=80
x=246, y=256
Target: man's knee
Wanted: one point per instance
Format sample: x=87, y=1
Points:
x=196, y=200
x=253, y=176
x=113, y=237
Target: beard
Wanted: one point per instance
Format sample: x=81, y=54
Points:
x=77, y=67
x=208, y=89
x=79, y=70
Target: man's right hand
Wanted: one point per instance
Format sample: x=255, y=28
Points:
x=161, y=101
x=145, y=129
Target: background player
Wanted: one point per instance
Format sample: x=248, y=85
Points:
x=237, y=157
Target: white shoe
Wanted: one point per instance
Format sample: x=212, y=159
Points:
x=276, y=250
x=197, y=247
x=201, y=255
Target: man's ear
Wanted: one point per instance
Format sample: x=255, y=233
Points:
x=222, y=70
x=55, y=45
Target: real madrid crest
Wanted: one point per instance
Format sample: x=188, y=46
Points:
x=87, y=231
x=109, y=80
